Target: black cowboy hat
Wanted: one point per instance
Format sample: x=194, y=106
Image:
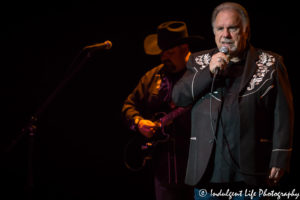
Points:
x=169, y=34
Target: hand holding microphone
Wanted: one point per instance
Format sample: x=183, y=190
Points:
x=219, y=60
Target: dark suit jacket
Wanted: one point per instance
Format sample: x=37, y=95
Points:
x=266, y=114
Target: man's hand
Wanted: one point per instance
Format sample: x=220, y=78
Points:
x=147, y=127
x=276, y=174
x=218, y=60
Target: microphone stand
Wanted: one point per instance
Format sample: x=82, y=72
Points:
x=31, y=127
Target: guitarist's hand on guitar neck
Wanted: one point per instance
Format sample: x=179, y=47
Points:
x=148, y=128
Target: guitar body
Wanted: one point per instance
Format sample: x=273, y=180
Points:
x=140, y=149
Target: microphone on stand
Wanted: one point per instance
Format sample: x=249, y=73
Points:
x=99, y=46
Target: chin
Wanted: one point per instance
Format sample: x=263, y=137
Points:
x=170, y=68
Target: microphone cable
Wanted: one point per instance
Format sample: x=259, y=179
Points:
x=210, y=106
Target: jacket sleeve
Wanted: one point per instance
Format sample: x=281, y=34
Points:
x=194, y=83
x=283, y=120
x=131, y=110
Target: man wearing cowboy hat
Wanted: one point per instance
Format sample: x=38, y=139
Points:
x=153, y=95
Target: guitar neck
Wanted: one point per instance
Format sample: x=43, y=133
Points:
x=167, y=119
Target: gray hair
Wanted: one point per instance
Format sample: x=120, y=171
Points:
x=232, y=6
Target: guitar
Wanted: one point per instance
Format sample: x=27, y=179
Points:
x=140, y=149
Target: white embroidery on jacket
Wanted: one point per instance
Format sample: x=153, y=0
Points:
x=265, y=61
x=203, y=60
x=270, y=78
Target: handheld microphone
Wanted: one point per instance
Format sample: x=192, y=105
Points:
x=105, y=45
x=224, y=50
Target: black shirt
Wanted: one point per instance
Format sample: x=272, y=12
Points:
x=227, y=149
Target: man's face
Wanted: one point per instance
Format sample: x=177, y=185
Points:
x=229, y=32
x=174, y=59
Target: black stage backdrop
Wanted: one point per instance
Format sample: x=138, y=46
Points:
x=79, y=141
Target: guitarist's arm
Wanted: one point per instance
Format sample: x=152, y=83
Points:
x=135, y=103
x=136, y=122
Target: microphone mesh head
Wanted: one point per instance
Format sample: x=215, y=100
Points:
x=108, y=44
x=224, y=50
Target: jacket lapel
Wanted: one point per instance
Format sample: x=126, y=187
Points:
x=250, y=67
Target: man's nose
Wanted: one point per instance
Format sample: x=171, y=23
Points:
x=226, y=33
x=164, y=55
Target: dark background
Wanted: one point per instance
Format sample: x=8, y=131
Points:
x=80, y=137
